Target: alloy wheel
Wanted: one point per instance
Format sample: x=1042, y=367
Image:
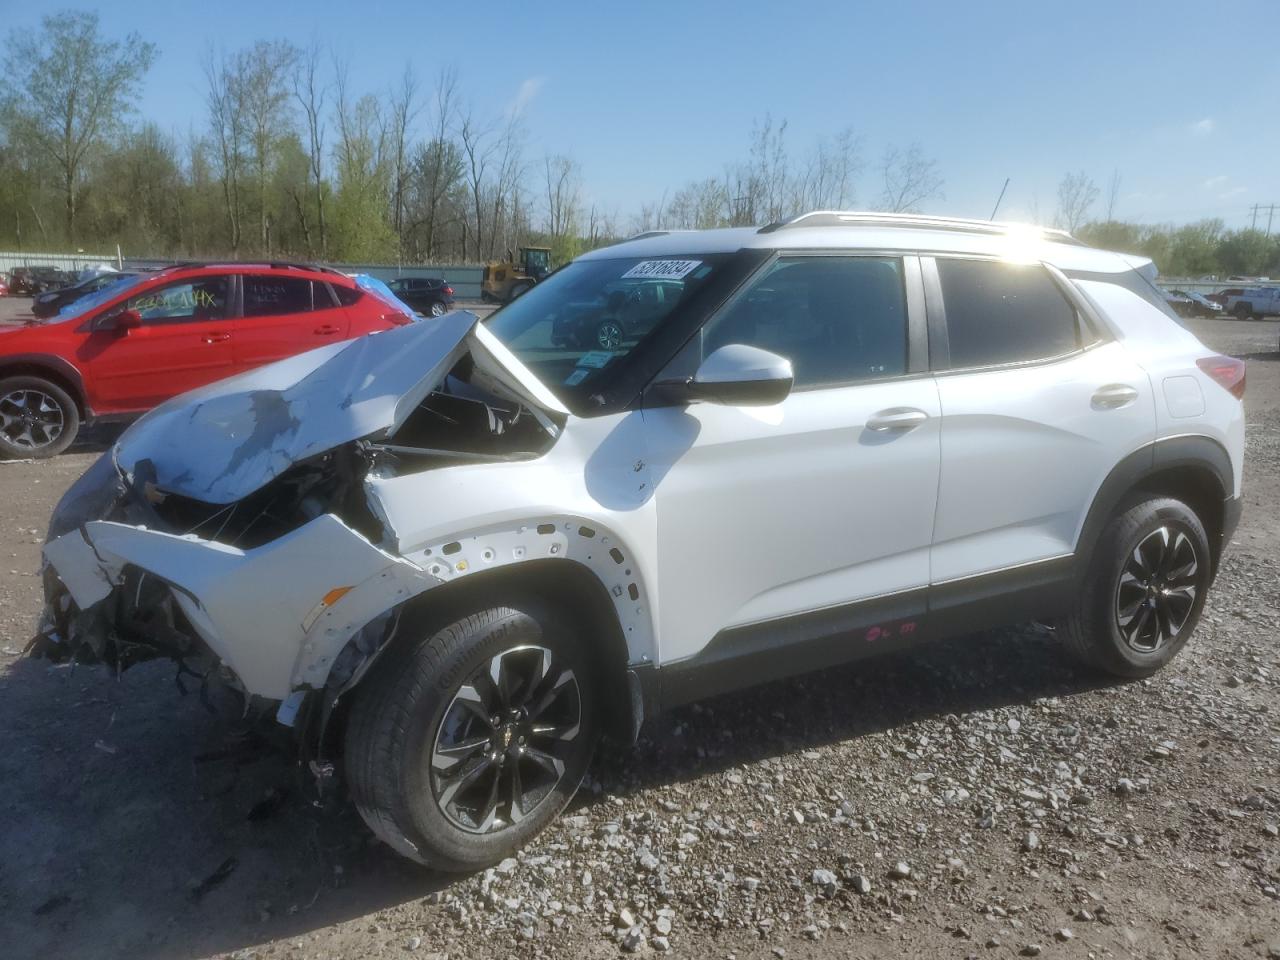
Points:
x=30, y=419
x=609, y=335
x=504, y=741
x=437, y=309
x=1157, y=589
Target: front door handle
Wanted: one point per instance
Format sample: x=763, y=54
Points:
x=896, y=418
x=326, y=330
x=1113, y=396
x=216, y=337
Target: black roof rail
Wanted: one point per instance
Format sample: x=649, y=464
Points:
x=273, y=264
x=865, y=218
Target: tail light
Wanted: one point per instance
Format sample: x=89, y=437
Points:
x=448, y=291
x=1227, y=371
x=399, y=319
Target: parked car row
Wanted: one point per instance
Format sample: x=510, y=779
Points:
x=29, y=281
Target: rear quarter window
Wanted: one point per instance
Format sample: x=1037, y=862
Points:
x=347, y=296
x=1001, y=313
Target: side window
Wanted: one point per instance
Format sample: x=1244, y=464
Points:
x=276, y=296
x=837, y=319
x=1004, y=313
x=347, y=296
x=186, y=300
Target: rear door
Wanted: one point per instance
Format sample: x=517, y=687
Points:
x=1037, y=408
x=185, y=341
x=283, y=316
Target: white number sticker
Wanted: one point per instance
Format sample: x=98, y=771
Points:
x=662, y=269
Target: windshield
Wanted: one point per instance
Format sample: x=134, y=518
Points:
x=96, y=299
x=577, y=326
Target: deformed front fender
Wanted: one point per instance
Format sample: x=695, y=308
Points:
x=277, y=615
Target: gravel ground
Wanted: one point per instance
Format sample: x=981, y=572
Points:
x=979, y=797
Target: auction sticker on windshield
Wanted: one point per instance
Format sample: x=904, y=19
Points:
x=662, y=269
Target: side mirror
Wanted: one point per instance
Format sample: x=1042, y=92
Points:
x=739, y=375
x=121, y=322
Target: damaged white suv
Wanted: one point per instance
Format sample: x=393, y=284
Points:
x=452, y=554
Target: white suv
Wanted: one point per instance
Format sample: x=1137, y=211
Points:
x=452, y=554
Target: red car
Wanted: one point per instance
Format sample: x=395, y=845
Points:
x=134, y=344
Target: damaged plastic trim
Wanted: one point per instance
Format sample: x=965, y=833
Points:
x=254, y=607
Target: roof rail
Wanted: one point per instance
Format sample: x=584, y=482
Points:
x=867, y=218
x=274, y=264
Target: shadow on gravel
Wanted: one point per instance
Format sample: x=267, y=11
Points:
x=1270, y=357
x=142, y=825
x=964, y=675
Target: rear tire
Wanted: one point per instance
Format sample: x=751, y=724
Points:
x=518, y=290
x=438, y=309
x=1141, y=600
x=38, y=419
x=432, y=774
x=1243, y=311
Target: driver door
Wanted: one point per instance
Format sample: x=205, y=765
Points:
x=185, y=341
x=787, y=524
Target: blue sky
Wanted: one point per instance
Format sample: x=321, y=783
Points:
x=647, y=96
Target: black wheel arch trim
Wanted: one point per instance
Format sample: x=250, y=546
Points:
x=1157, y=457
x=56, y=365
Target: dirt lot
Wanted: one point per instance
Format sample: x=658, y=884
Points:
x=981, y=797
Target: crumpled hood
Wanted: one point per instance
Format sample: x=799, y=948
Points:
x=222, y=442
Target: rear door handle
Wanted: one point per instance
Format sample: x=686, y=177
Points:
x=325, y=330
x=216, y=337
x=896, y=418
x=1113, y=396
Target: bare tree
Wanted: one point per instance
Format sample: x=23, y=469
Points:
x=477, y=149
x=562, y=193
x=66, y=88
x=405, y=108
x=505, y=199
x=439, y=167
x=827, y=181
x=1113, y=194
x=311, y=95
x=1076, y=194
x=910, y=179
x=263, y=73
x=227, y=120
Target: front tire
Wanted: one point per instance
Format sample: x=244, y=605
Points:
x=1243, y=311
x=464, y=744
x=37, y=418
x=1143, y=595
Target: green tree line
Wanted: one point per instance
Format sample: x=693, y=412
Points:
x=285, y=157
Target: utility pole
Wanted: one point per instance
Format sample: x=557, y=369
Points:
x=1253, y=224
x=1271, y=211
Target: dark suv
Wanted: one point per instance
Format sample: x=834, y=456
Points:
x=428, y=295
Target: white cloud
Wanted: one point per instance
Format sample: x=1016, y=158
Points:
x=524, y=96
x=1202, y=128
x=1215, y=183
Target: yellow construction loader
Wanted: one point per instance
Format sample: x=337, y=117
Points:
x=504, y=280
